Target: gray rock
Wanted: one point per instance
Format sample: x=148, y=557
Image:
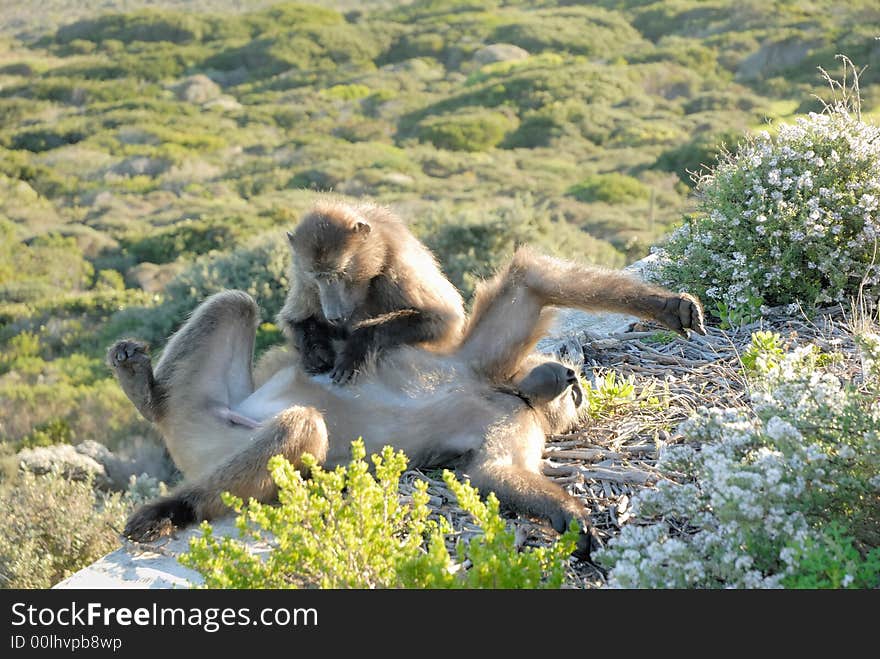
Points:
x=499, y=52
x=197, y=89
x=151, y=277
x=64, y=459
x=140, y=166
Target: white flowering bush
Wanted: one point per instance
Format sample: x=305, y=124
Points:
x=785, y=494
x=790, y=218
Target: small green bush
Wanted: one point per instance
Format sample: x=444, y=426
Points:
x=51, y=527
x=693, y=159
x=476, y=130
x=471, y=246
x=791, y=218
x=348, y=529
x=786, y=493
x=611, y=188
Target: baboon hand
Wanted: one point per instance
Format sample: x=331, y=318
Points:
x=318, y=358
x=158, y=518
x=349, y=363
x=128, y=354
x=682, y=312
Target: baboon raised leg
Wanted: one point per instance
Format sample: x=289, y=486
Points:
x=510, y=310
x=204, y=372
x=210, y=358
x=130, y=361
x=291, y=433
x=208, y=361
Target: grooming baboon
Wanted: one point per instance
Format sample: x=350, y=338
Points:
x=484, y=407
x=361, y=280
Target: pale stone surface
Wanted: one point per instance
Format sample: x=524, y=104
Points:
x=68, y=460
x=499, y=52
x=133, y=566
x=136, y=567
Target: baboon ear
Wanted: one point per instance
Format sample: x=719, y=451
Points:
x=362, y=227
x=291, y=239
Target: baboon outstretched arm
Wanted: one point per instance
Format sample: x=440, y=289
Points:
x=404, y=327
x=510, y=310
x=291, y=433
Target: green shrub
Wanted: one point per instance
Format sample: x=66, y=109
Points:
x=49, y=264
x=192, y=237
x=788, y=219
x=467, y=131
x=691, y=161
x=471, y=246
x=51, y=527
x=44, y=140
x=174, y=27
x=784, y=494
x=611, y=188
x=259, y=268
x=830, y=559
x=580, y=30
x=346, y=528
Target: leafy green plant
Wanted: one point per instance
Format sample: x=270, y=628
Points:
x=764, y=353
x=789, y=218
x=347, y=528
x=830, y=559
x=763, y=484
x=467, y=131
x=609, y=394
x=52, y=527
x=611, y=188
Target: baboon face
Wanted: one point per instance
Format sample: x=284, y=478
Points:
x=333, y=248
x=554, y=389
x=339, y=295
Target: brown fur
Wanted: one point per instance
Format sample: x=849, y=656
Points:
x=483, y=406
x=361, y=283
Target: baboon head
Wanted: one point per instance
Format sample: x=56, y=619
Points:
x=554, y=390
x=335, y=247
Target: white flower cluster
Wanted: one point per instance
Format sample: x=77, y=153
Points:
x=790, y=217
x=745, y=516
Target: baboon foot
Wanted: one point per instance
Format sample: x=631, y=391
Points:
x=681, y=313
x=158, y=519
x=128, y=354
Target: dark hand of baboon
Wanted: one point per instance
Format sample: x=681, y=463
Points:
x=681, y=313
x=318, y=357
x=351, y=358
x=586, y=542
x=313, y=340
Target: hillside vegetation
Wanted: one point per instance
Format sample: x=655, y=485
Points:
x=152, y=155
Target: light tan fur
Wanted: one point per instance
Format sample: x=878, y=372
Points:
x=461, y=408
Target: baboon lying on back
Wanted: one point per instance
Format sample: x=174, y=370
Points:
x=359, y=277
x=485, y=406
